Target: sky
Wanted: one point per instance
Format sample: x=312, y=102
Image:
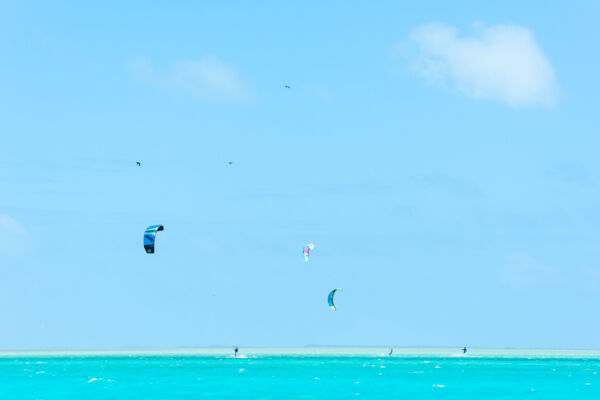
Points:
x=441, y=156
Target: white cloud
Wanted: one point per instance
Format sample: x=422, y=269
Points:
x=13, y=236
x=501, y=62
x=520, y=269
x=206, y=78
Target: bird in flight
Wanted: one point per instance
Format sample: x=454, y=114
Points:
x=230, y=162
x=287, y=86
x=139, y=164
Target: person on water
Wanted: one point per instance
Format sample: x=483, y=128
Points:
x=235, y=351
x=464, y=350
x=391, y=351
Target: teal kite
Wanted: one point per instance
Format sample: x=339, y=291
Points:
x=150, y=237
x=330, y=298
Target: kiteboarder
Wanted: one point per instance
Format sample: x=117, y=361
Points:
x=464, y=350
x=235, y=351
x=139, y=164
x=391, y=351
x=287, y=86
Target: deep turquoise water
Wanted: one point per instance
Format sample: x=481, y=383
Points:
x=298, y=377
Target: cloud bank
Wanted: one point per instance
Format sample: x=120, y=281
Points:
x=501, y=62
x=206, y=78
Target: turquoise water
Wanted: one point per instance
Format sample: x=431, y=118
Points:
x=298, y=376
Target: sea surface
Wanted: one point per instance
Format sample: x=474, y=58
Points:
x=301, y=374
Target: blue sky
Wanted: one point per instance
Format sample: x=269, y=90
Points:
x=442, y=158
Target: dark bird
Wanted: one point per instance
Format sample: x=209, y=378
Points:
x=139, y=164
x=230, y=162
x=287, y=87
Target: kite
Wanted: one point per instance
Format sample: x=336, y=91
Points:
x=150, y=237
x=306, y=251
x=330, y=298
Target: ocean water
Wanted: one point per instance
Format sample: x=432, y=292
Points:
x=300, y=374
